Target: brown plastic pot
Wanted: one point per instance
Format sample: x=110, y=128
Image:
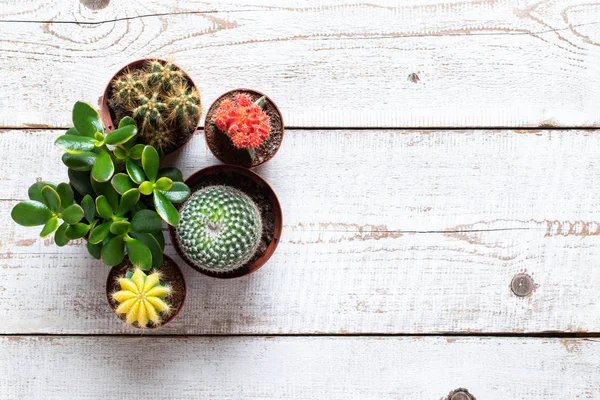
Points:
x=169, y=268
x=105, y=112
x=237, y=177
x=212, y=134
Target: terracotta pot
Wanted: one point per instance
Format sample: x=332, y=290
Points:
x=242, y=179
x=220, y=144
x=105, y=111
x=173, y=276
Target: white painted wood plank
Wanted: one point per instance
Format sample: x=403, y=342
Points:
x=326, y=63
x=297, y=368
x=385, y=232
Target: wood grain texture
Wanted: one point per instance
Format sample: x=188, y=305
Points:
x=384, y=232
x=51, y=368
x=326, y=63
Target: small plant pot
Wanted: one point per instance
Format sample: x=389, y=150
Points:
x=112, y=113
x=263, y=196
x=222, y=147
x=170, y=274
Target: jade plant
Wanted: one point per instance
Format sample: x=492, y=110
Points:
x=142, y=298
x=113, y=211
x=160, y=99
x=220, y=228
x=244, y=122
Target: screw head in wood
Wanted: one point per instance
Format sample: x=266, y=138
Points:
x=522, y=285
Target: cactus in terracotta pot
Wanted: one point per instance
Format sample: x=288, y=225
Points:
x=220, y=228
x=142, y=298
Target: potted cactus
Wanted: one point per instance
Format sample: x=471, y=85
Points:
x=116, y=199
x=161, y=98
x=243, y=127
x=230, y=225
x=146, y=300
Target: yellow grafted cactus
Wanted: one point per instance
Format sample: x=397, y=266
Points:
x=142, y=298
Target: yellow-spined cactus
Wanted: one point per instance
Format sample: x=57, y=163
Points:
x=142, y=298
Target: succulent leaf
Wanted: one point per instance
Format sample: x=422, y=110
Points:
x=150, y=162
x=72, y=214
x=172, y=173
x=104, y=208
x=165, y=209
x=178, y=193
x=86, y=119
x=122, y=183
x=121, y=135
x=113, y=251
x=104, y=167
x=75, y=144
x=155, y=248
x=100, y=232
x=51, y=198
x=80, y=162
x=139, y=254
x=146, y=221
x=81, y=181
x=60, y=236
x=50, y=227
x=65, y=192
x=128, y=200
x=95, y=250
x=89, y=208
x=119, y=227
x=135, y=172
x=31, y=213
x=77, y=231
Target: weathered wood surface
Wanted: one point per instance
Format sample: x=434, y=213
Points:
x=384, y=232
x=85, y=368
x=424, y=63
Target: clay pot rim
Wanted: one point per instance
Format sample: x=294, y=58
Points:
x=278, y=223
x=172, y=316
x=105, y=109
x=261, y=94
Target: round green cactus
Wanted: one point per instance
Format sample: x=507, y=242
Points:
x=220, y=228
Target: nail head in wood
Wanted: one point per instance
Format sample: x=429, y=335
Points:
x=522, y=285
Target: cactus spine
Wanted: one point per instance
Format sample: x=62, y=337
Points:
x=142, y=298
x=220, y=228
x=161, y=100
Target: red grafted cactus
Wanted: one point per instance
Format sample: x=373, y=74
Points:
x=243, y=121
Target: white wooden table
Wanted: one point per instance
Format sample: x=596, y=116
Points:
x=434, y=150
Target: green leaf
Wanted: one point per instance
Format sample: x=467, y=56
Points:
x=153, y=245
x=178, y=193
x=60, y=237
x=51, y=198
x=103, y=207
x=120, y=153
x=77, y=231
x=172, y=173
x=89, y=208
x=146, y=188
x=113, y=251
x=160, y=238
x=165, y=209
x=127, y=121
x=50, y=227
x=73, y=131
x=139, y=254
x=81, y=181
x=95, y=250
x=75, y=144
x=122, y=182
x=72, y=214
x=150, y=162
x=98, y=234
x=129, y=198
x=136, y=151
x=119, y=227
x=104, y=168
x=80, y=162
x=121, y=135
x=65, y=192
x=163, y=183
x=107, y=190
x=31, y=213
x=134, y=171
x=35, y=190
x=146, y=221
x=86, y=119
